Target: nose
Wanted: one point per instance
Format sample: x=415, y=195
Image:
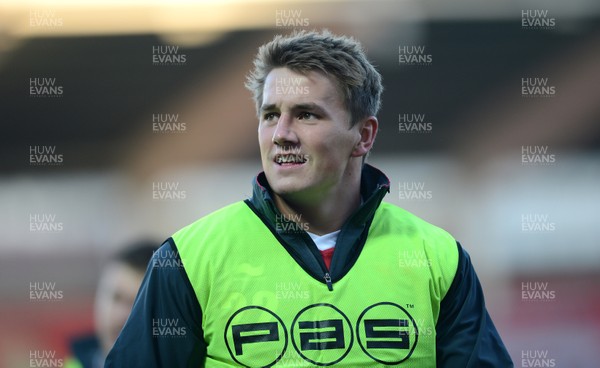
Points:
x=284, y=131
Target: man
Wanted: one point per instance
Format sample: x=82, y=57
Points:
x=314, y=269
x=117, y=287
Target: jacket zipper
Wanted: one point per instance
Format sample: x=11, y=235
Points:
x=321, y=262
x=327, y=278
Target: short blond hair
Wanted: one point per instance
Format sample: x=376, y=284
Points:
x=341, y=58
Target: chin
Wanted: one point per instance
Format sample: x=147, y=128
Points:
x=286, y=190
x=288, y=185
x=285, y=186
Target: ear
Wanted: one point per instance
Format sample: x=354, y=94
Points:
x=367, y=130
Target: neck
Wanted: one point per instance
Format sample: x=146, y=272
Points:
x=328, y=211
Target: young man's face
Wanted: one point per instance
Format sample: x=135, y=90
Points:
x=306, y=142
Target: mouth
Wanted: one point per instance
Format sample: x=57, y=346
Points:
x=290, y=159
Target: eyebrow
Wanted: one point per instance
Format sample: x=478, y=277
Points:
x=269, y=107
x=305, y=106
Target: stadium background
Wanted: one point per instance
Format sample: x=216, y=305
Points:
x=514, y=176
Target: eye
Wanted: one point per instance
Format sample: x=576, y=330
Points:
x=306, y=116
x=270, y=116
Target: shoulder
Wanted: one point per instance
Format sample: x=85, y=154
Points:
x=216, y=216
x=421, y=239
x=218, y=221
x=215, y=237
x=407, y=224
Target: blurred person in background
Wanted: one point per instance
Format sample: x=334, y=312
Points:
x=118, y=285
x=314, y=269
